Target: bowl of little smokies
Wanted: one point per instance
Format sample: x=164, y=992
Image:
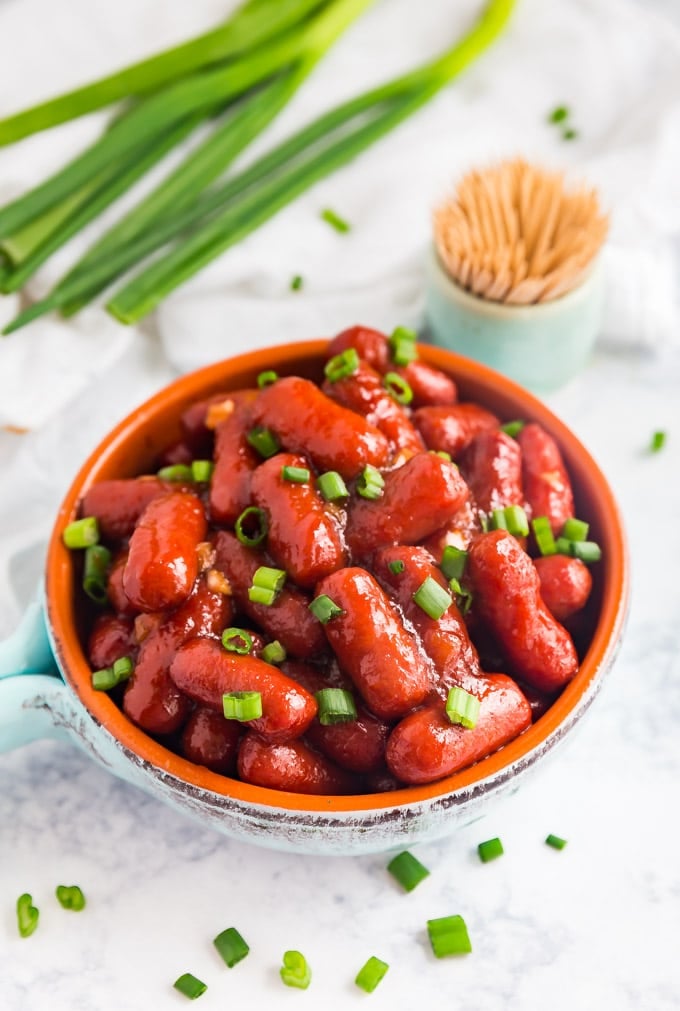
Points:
x=338, y=596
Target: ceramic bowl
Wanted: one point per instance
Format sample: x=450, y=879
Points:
x=541, y=346
x=329, y=825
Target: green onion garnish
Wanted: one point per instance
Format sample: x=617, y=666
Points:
x=253, y=519
x=264, y=441
x=408, y=871
x=370, y=483
x=273, y=652
x=463, y=597
x=70, y=897
x=123, y=668
x=190, y=986
x=575, y=530
x=296, y=475
x=296, y=283
x=556, y=842
x=449, y=936
x=569, y=134
x=266, y=586
x=27, y=915
x=453, y=562
x=95, y=572
x=513, y=428
x=432, y=598
x=398, y=388
x=512, y=518
x=176, y=472
x=332, y=486
x=335, y=706
x=202, y=471
x=325, y=609
x=543, y=534
x=295, y=970
x=261, y=595
x=237, y=640
x=402, y=344
x=396, y=566
x=82, y=533
x=335, y=221
x=107, y=678
x=242, y=706
x=497, y=520
x=490, y=850
x=559, y=114
x=443, y=454
x=658, y=441
x=342, y=365
x=231, y=946
x=370, y=974
x=462, y=707
x=266, y=378
x=587, y=551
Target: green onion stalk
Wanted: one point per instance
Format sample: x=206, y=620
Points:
x=225, y=214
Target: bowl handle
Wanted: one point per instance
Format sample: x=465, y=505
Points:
x=33, y=697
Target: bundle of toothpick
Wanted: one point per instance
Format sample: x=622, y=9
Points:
x=517, y=233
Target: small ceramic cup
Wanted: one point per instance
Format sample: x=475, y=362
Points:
x=539, y=346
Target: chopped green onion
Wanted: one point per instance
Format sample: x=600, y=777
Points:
x=249, y=518
x=242, y=706
x=408, y=871
x=176, y=472
x=497, y=520
x=484, y=522
x=371, y=973
x=517, y=522
x=104, y=680
x=545, y=540
x=462, y=707
x=123, y=668
x=443, y=454
x=576, y=530
x=82, y=533
x=556, y=842
x=559, y=114
x=334, y=220
x=513, y=428
x=261, y=595
x=463, y=597
x=190, y=986
x=325, y=609
x=266, y=378
x=402, y=343
x=267, y=584
x=296, y=283
x=27, y=915
x=396, y=566
x=202, y=471
x=398, y=388
x=70, y=897
x=453, y=562
x=264, y=441
x=231, y=946
x=432, y=598
x=569, y=134
x=296, y=475
x=342, y=365
x=335, y=706
x=237, y=640
x=658, y=441
x=449, y=936
x=586, y=551
x=332, y=486
x=370, y=483
x=295, y=970
x=95, y=572
x=490, y=850
x=273, y=652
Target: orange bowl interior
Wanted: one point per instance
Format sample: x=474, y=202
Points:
x=133, y=446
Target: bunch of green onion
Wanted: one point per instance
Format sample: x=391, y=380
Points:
x=240, y=75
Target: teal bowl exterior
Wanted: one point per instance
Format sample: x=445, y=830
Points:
x=540, y=346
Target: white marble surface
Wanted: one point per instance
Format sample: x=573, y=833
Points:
x=592, y=927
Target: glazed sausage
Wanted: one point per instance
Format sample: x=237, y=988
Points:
x=371, y=345
x=162, y=565
x=306, y=421
x=425, y=745
x=304, y=535
x=117, y=596
x=451, y=429
x=418, y=498
x=565, y=584
x=193, y=420
x=119, y=504
x=112, y=637
x=506, y=593
x=235, y=462
x=546, y=483
x=288, y=619
x=374, y=649
x=205, y=671
x=430, y=387
x=292, y=766
x=492, y=467
x=208, y=739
